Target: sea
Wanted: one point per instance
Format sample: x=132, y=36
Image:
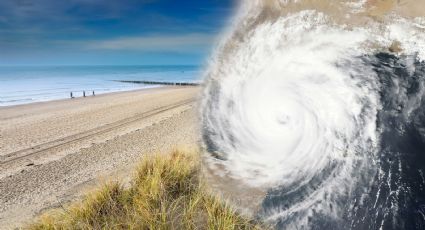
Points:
x=23, y=85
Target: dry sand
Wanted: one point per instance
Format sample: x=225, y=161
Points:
x=50, y=153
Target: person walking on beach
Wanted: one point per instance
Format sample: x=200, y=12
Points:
x=72, y=96
x=84, y=93
x=93, y=93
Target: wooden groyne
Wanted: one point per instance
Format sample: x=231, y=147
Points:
x=85, y=93
x=160, y=83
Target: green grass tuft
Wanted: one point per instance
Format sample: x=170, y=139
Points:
x=166, y=193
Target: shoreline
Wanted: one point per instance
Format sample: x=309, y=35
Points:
x=150, y=85
x=81, y=97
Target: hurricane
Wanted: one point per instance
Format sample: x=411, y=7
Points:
x=321, y=105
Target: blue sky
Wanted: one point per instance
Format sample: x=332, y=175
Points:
x=110, y=32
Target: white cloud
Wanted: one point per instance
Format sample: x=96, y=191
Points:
x=185, y=42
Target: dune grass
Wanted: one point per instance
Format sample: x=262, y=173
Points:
x=166, y=193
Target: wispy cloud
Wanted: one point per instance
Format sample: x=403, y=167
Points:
x=92, y=31
x=184, y=43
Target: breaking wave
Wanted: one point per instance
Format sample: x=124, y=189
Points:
x=323, y=110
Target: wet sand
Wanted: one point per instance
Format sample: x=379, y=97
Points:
x=51, y=152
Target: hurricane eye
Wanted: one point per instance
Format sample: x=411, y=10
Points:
x=283, y=119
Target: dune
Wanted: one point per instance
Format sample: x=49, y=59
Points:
x=52, y=152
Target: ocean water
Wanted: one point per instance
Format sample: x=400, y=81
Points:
x=22, y=85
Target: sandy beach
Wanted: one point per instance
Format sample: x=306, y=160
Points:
x=51, y=152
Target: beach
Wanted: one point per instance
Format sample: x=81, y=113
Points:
x=52, y=152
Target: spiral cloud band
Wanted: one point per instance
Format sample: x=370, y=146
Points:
x=291, y=102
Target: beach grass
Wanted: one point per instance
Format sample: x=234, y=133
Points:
x=166, y=192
